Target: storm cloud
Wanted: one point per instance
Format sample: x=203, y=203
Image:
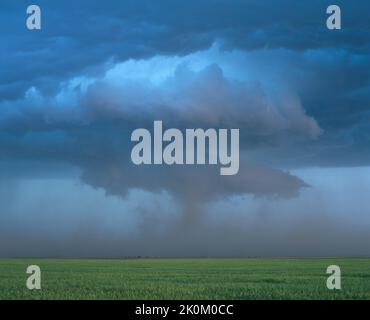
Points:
x=72, y=93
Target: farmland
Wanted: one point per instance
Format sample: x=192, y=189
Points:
x=185, y=279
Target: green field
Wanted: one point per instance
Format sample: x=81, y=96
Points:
x=185, y=279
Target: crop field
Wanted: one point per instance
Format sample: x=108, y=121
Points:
x=184, y=279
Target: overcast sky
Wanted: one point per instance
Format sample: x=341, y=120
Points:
x=72, y=93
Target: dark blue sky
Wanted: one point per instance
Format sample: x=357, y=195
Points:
x=71, y=93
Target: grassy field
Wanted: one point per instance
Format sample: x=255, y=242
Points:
x=185, y=279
